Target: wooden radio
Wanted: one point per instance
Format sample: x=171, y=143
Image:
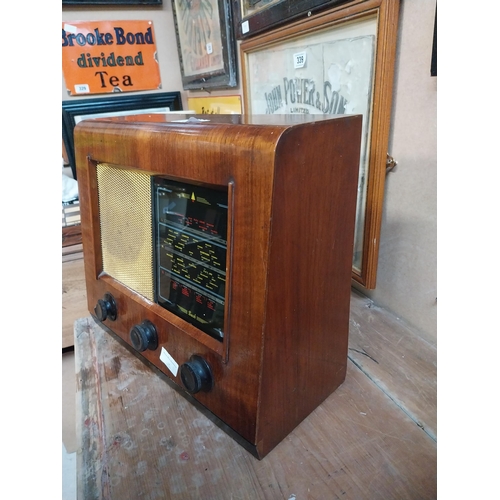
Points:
x=219, y=249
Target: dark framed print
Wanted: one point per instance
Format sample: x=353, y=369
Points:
x=205, y=43
x=75, y=111
x=434, y=69
x=340, y=61
x=256, y=16
x=112, y=2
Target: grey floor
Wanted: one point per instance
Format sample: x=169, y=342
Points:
x=68, y=475
x=68, y=428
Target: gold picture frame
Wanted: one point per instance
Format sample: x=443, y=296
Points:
x=340, y=61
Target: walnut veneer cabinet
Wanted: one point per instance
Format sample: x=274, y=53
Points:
x=219, y=249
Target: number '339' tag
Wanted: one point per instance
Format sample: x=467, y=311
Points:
x=299, y=60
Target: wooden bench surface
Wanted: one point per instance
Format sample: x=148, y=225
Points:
x=372, y=438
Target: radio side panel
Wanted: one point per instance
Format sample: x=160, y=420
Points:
x=307, y=309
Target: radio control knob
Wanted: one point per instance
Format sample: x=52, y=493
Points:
x=106, y=308
x=196, y=375
x=144, y=336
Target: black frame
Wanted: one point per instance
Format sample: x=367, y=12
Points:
x=225, y=78
x=112, y=2
x=434, y=63
x=276, y=15
x=72, y=109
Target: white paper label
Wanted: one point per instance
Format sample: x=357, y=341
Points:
x=82, y=88
x=299, y=60
x=245, y=27
x=209, y=48
x=169, y=361
x=69, y=28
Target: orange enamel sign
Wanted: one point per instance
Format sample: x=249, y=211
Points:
x=109, y=56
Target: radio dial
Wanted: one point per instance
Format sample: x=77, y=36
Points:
x=196, y=375
x=144, y=336
x=106, y=308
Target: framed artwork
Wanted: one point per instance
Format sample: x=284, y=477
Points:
x=112, y=2
x=75, y=111
x=215, y=105
x=205, y=43
x=255, y=16
x=340, y=61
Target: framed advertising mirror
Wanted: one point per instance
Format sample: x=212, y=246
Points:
x=339, y=61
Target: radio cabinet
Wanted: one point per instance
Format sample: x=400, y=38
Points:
x=219, y=249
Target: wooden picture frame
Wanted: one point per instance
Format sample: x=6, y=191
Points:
x=75, y=111
x=206, y=44
x=112, y=2
x=255, y=16
x=330, y=62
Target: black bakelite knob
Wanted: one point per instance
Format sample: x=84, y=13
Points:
x=144, y=336
x=106, y=308
x=196, y=375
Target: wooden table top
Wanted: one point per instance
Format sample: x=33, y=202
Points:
x=140, y=438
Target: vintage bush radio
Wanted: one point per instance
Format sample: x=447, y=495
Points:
x=219, y=248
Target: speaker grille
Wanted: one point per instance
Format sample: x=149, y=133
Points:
x=125, y=215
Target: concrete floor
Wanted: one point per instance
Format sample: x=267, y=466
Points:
x=68, y=475
x=68, y=427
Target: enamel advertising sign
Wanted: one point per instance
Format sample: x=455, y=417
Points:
x=100, y=57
